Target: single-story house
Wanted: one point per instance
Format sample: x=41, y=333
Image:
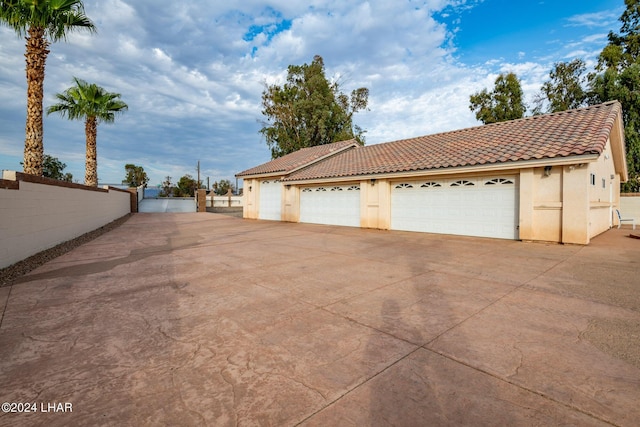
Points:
x=553, y=177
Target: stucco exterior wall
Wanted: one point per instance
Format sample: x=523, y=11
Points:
x=604, y=190
x=575, y=204
x=547, y=193
x=251, y=199
x=375, y=204
x=556, y=204
x=291, y=203
x=39, y=215
x=562, y=205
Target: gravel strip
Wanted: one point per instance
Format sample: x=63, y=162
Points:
x=14, y=271
x=234, y=211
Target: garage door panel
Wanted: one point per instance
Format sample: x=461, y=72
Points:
x=485, y=207
x=333, y=205
x=270, y=200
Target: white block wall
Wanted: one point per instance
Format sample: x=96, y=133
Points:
x=629, y=208
x=39, y=216
x=223, y=201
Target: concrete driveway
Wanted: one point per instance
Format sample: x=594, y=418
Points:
x=205, y=319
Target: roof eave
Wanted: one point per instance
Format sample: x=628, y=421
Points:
x=262, y=175
x=354, y=144
x=616, y=138
x=326, y=156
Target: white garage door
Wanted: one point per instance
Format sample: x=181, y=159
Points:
x=270, y=200
x=335, y=205
x=484, y=207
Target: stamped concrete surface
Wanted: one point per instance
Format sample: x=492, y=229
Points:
x=205, y=319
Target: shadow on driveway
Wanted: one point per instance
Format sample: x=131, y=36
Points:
x=206, y=319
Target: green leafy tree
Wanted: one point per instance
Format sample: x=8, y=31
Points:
x=167, y=187
x=41, y=22
x=54, y=168
x=136, y=176
x=617, y=77
x=186, y=186
x=564, y=89
x=504, y=102
x=222, y=187
x=308, y=110
x=91, y=103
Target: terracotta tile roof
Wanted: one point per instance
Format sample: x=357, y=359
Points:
x=563, y=134
x=302, y=157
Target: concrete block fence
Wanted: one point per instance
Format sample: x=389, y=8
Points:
x=38, y=213
x=629, y=206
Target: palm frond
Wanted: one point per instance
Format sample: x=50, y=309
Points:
x=56, y=17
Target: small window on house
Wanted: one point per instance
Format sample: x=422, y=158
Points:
x=336, y=189
x=404, y=185
x=353, y=187
x=430, y=184
x=462, y=183
x=593, y=179
x=306, y=190
x=265, y=182
x=497, y=181
x=321, y=189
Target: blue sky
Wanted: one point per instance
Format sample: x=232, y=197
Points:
x=193, y=72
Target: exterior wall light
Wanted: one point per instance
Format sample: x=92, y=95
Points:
x=249, y=188
x=373, y=181
x=547, y=170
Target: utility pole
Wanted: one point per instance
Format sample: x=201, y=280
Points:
x=198, y=182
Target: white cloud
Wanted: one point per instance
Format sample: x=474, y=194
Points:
x=601, y=19
x=193, y=78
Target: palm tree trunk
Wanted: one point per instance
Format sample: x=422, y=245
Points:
x=91, y=166
x=36, y=56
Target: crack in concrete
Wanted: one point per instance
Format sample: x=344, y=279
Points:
x=61, y=340
x=520, y=361
x=223, y=374
x=6, y=304
x=302, y=383
x=178, y=389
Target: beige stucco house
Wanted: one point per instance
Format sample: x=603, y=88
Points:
x=553, y=177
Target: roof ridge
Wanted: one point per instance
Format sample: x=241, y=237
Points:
x=556, y=113
x=325, y=145
x=299, y=158
x=506, y=123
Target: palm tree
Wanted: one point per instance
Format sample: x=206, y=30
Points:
x=40, y=21
x=92, y=103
